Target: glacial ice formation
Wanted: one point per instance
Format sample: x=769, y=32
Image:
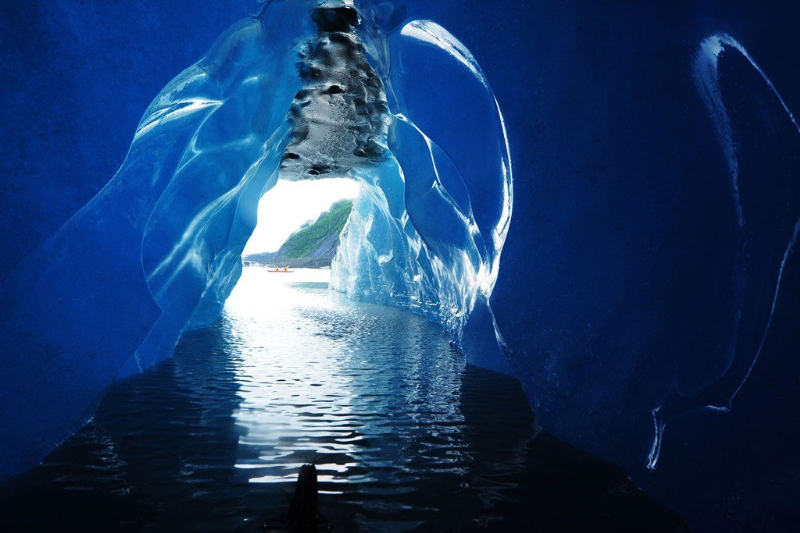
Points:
x=287, y=94
x=642, y=282
x=156, y=246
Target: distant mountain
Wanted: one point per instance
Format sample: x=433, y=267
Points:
x=313, y=245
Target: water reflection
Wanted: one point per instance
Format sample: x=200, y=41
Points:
x=405, y=436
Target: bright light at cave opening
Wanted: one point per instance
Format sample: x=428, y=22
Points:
x=281, y=212
x=290, y=204
x=260, y=293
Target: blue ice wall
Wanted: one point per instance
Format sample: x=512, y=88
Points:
x=623, y=282
x=76, y=79
x=647, y=271
x=159, y=245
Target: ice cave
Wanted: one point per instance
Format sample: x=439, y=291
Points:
x=565, y=295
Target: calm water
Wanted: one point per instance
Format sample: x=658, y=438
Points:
x=404, y=435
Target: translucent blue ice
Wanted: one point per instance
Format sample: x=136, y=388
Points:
x=655, y=200
x=158, y=250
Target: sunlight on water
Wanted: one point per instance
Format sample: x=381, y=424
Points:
x=311, y=380
x=282, y=414
x=405, y=436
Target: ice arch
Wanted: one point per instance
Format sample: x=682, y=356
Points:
x=158, y=249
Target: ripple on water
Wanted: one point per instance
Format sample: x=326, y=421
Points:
x=404, y=435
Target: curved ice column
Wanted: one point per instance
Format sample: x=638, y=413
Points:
x=437, y=84
x=196, y=232
x=454, y=257
x=428, y=230
x=158, y=244
x=407, y=242
x=760, y=140
x=442, y=99
x=429, y=237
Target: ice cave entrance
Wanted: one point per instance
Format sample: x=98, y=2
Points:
x=299, y=94
x=289, y=207
x=298, y=228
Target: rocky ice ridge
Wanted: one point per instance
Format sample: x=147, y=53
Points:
x=340, y=117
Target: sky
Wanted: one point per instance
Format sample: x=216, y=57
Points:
x=288, y=205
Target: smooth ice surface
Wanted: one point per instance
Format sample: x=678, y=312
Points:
x=648, y=272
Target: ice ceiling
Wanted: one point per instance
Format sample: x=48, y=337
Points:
x=642, y=270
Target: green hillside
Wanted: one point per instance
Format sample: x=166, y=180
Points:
x=330, y=223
